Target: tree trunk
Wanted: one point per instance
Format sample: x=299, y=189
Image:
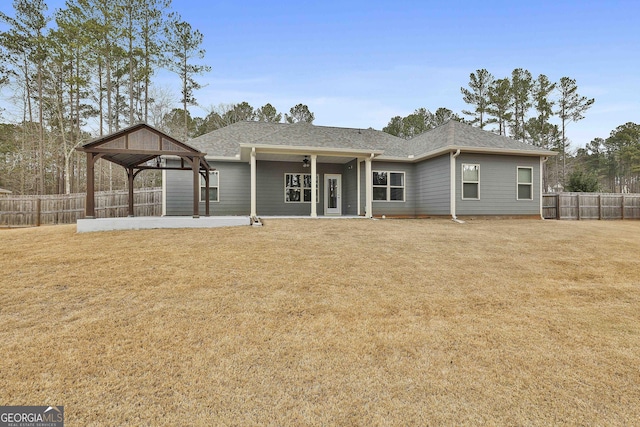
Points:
x=42, y=189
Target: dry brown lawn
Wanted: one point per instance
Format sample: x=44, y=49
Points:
x=317, y=322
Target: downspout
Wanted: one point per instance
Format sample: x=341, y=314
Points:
x=453, y=185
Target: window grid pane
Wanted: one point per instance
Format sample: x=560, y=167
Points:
x=293, y=195
x=470, y=190
x=524, y=176
x=470, y=173
x=397, y=179
x=379, y=178
x=524, y=192
x=379, y=193
x=397, y=194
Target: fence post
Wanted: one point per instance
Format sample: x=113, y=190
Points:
x=578, y=203
x=38, y=211
x=622, y=210
x=558, y=206
x=599, y=206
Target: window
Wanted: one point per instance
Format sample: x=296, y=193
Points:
x=297, y=188
x=214, y=184
x=470, y=181
x=388, y=186
x=525, y=183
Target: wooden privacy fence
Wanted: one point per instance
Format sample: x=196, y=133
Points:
x=591, y=206
x=23, y=211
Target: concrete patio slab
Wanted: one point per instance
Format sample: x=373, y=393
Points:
x=143, y=223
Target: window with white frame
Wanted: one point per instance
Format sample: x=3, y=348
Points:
x=214, y=186
x=470, y=181
x=388, y=186
x=297, y=188
x=525, y=183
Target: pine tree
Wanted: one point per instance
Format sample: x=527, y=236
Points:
x=500, y=104
x=299, y=113
x=268, y=113
x=539, y=127
x=480, y=84
x=521, y=86
x=571, y=108
x=182, y=46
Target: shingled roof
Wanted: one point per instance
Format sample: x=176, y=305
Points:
x=454, y=135
x=227, y=141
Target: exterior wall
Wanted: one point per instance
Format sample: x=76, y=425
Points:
x=406, y=208
x=350, y=188
x=234, y=190
x=433, y=186
x=270, y=187
x=426, y=188
x=498, y=185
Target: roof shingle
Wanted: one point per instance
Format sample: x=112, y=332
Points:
x=225, y=142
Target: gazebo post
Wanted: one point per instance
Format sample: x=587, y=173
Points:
x=195, y=166
x=130, y=176
x=90, y=203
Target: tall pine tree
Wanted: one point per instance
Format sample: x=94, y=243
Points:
x=571, y=108
x=477, y=95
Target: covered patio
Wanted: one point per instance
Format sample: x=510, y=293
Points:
x=310, y=158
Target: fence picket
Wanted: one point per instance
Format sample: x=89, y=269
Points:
x=591, y=206
x=68, y=208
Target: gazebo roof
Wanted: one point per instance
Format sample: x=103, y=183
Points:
x=136, y=145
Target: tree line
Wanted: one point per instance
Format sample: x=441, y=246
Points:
x=420, y=121
x=609, y=164
x=89, y=65
x=226, y=114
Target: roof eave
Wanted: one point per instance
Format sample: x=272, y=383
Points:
x=484, y=150
x=302, y=149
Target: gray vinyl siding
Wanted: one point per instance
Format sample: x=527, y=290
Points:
x=350, y=188
x=233, y=191
x=406, y=208
x=498, y=186
x=271, y=184
x=433, y=186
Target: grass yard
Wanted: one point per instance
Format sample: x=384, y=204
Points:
x=317, y=322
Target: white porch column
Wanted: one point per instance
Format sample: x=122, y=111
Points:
x=314, y=208
x=452, y=177
x=358, y=183
x=253, y=182
x=368, y=188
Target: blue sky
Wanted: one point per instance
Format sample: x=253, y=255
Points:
x=358, y=63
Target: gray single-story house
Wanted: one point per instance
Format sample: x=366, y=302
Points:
x=267, y=169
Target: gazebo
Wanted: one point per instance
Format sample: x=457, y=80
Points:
x=140, y=147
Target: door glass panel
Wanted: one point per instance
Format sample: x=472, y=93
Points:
x=333, y=193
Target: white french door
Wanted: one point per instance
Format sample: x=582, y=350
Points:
x=332, y=194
